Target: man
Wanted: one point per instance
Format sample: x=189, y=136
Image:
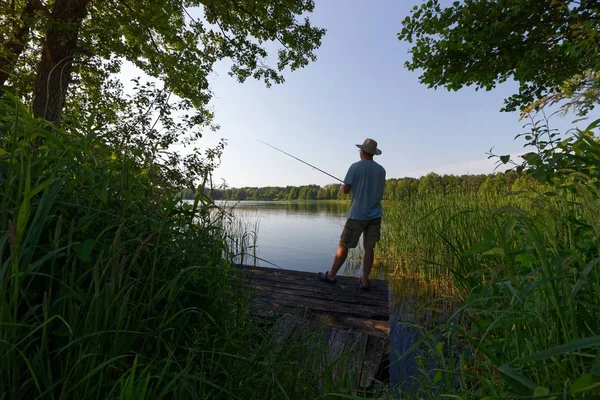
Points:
x=366, y=180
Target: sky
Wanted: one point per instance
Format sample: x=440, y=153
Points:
x=357, y=88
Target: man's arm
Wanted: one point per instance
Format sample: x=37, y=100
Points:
x=348, y=180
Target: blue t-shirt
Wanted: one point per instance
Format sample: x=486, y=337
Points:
x=367, y=179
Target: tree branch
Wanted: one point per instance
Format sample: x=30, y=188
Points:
x=251, y=15
x=147, y=29
x=15, y=44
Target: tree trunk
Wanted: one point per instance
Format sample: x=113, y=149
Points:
x=56, y=64
x=15, y=44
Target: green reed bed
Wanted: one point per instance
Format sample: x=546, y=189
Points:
x=421, y=238
x=527, y=272
x=112, y=288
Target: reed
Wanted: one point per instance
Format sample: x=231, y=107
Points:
x=423, y=238
x=112, y=287
x=524, y=268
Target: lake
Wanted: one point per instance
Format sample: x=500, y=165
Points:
x=301, y=236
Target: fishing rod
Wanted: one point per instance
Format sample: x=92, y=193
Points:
x=310, y=165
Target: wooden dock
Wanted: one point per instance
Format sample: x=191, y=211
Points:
x=355, y=322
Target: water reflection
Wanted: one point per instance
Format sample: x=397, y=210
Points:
x=418, y=309
x=308, y=209
x=294, y=235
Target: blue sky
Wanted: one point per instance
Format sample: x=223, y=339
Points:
x=357, y=88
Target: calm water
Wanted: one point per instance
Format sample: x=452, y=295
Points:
x=301, y=236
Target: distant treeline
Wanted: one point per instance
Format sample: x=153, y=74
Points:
x=395, y=189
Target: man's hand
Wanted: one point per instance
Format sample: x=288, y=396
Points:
x=345, y=188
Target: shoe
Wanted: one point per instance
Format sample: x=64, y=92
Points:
x=324, y=277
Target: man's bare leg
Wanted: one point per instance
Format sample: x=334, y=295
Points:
x=367, y=264
x=338, y=261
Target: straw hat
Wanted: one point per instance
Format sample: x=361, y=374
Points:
x=369, y=146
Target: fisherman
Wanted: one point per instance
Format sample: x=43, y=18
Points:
x=366, y=180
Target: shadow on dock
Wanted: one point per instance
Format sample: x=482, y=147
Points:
x=352, y=324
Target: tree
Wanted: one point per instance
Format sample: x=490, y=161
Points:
x=542, y=44
x=430, y=184
x=494, y=184
x=322, y=194
x=292, y=194
x=164, y=39
x=389, y=190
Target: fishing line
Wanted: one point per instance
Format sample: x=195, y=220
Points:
x=310, y=165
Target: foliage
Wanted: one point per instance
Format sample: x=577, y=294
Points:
x=413, y=231
x=527, y=274
x=396, y=189
x=307, y=192
x=112, y=287
x=578, y=94
x=178, y=43
x=540, y=44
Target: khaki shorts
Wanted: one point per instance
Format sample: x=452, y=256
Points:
x=354, y=228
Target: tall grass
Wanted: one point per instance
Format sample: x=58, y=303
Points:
x=112, y=287
x=421, y=238
x=526, y=271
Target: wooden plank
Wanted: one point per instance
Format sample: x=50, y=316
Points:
x=375, y=351
x=334, y=291
x=270, y=273
x=336, y=346
x=304, y=281
x=373, y=327
x=300, y=293
x=309, y=279
x=284, y=327
x=358, y=346
x=358, y=310
x=350, y=352
x=347, y=298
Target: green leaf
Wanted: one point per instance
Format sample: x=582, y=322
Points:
x=509, y=226
x=515, y=376
x=480, y=247
x=505, y=158
x=437, y=377
x=525, y=258
x=41, y=186
x=83, y=250
x=496, y=251
x=593, y=125
x=583, y=276
x=582, y=384
x=541, y=392
x=24, y=208
x=565, y=348
x=596, y=366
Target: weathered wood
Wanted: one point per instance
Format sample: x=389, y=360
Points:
x=354, y=323
x=371, y=327
x=378, y=286
x=291, y=299
x=375, y=353
x=349, y=295
x=342, y=305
